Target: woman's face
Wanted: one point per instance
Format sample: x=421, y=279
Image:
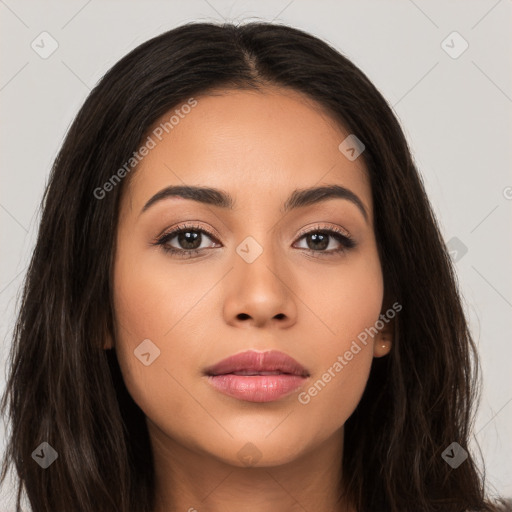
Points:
x=257, y=281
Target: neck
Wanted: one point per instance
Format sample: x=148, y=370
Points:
x=193, y=481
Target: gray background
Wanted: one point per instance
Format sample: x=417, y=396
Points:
x=455, y=113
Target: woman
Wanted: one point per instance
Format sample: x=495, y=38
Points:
x=239, y=297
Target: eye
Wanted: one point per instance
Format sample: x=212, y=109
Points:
x=188, y=238
x=319, y=239
x=187, y=241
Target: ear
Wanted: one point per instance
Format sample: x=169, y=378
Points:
x=383, y=340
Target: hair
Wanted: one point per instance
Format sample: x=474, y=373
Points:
x=64, y=388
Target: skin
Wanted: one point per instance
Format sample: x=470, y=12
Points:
x=259, y=147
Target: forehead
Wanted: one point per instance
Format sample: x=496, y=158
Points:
x=254, y=144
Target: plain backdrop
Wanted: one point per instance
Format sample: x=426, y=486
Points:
x=455, y=108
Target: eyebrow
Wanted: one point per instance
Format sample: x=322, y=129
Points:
x=298, y=198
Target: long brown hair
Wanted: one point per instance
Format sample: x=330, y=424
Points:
x=64, y=389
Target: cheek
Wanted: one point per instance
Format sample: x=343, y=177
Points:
x=144, y=310
x=151, y=305
x=333, y=394
x=154, y=299
x=345, y=305
x=343, y=301
x=145, y=301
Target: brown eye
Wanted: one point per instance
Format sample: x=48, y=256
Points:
x=319, y=240
x=186, y=240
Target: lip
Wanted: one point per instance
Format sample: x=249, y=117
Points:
x=257, y=376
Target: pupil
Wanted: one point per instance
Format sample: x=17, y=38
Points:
x=187, y=239
x=324, y=241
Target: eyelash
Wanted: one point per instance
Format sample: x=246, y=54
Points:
x=345, y=241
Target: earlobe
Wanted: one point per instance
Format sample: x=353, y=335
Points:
x=381, y=348
x=384, y=340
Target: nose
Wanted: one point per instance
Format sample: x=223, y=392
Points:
x=260, y=293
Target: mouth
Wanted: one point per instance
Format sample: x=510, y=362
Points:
x=249, y=373
x=257, y=376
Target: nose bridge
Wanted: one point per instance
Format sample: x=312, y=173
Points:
x=260, y=288
x=260, y=259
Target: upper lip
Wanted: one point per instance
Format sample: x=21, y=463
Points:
x=253, y=361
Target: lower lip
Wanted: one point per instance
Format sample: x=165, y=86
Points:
x=256, y=388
